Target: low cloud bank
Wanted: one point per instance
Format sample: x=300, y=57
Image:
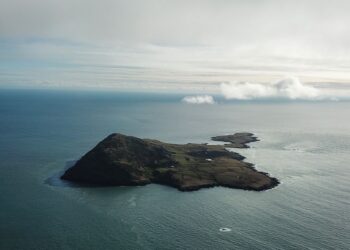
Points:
x=199, y=99
x=288, y=88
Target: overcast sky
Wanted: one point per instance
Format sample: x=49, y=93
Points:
x=163, y=44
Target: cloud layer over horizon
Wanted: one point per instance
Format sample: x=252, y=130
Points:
x=166, y=44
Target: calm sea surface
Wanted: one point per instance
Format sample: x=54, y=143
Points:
x=304, y=144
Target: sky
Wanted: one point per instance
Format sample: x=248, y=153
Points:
x=202, y=46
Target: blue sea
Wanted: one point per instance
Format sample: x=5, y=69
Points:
x=306, y=145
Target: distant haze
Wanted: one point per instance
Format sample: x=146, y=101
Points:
x=190, y=46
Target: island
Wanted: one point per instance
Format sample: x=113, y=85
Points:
x=121, y=160
x=237, y=140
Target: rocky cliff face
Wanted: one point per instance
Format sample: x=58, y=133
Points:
x=127, y=160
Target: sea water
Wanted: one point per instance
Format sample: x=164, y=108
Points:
x=306, y=145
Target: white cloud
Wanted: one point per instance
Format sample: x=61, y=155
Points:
x=288, y=88
x=199, y=99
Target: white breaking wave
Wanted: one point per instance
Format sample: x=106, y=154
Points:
x=288, y=88
x=199, y=99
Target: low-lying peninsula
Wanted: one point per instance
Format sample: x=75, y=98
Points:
x=121, y=160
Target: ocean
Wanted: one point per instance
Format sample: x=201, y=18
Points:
x=305, y=145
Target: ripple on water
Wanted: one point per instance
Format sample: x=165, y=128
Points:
x=225, y=229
